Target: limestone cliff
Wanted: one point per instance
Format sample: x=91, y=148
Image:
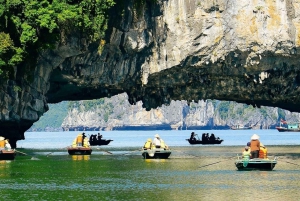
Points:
x=246, y=51
x=116, y=113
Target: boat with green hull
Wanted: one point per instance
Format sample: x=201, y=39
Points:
x=255, y=164
x=156, y=153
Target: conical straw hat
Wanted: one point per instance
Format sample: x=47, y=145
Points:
x=255, y=137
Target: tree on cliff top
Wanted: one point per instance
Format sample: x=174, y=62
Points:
x=27, y=26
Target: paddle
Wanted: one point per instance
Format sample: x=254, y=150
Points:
x=216, y=162
x=291, y=163
x=104, y=151
x=21, y=152
x=32, y=157
x=133, y=151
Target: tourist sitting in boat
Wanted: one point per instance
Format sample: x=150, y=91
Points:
x=7, y=145
x=263, y=151
x=205, y=137
x=2, y=142
x=79, y=140
x=94, y=138
x=148, y=144
x=246, y=153
x=74, y=143
x=212, y=137
x=86, y=143
x=254, y=146
x=193, y=136
x=156, y=141
x=163, y=144
x=99, y=136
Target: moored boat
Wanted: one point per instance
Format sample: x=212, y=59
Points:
x=7, y=155
x=79, y=150
x=156, y=153
x=255, y=164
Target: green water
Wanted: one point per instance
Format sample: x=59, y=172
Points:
x=116, y=176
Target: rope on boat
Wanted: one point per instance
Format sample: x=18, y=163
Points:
x=104, y=151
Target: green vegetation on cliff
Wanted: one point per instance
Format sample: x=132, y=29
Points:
x=28, y=26
x=52, y=119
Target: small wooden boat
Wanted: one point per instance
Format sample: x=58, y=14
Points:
x=156, y=153
x=79, y=150
x=255, y=164
x=216, y=141
x=99, y=142
x=7, y=155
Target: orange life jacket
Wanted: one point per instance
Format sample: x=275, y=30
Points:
x=2, y=143
x=262, y=152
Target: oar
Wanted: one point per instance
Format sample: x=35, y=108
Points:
x=21, y=152
x=291, y=163
x=211, y=164
x=132, y=151
x=216, y=162
x=104, y=151
x=49, y=154
x=32, y=157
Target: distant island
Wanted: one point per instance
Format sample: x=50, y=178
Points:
x=116, y=113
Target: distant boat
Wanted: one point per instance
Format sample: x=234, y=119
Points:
x=217, y=141
x=194, y=139
x=240, y=127
x=291, y=127
x=99, y=142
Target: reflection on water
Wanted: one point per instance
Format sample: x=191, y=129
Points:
x=186, y=175
x=80, y=157
x=155, y=160
x=4, y=168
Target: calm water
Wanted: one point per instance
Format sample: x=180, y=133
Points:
x=42, y=140
x=196, y=172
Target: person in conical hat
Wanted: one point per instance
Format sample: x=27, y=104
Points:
x=255, y=137
x=255, y=146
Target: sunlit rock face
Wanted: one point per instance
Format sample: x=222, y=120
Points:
x=245, y=51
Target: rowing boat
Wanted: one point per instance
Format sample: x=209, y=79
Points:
x=156, y=153
x=255, y=164
x=79, y=150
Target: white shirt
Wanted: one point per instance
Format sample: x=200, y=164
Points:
x=156, y=141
